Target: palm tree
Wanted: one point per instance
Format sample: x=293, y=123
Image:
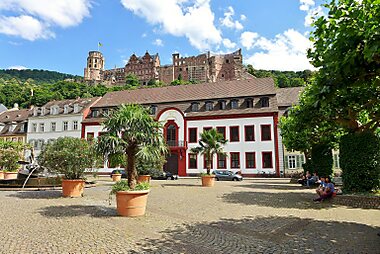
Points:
x=211, y=143
x=133, y=132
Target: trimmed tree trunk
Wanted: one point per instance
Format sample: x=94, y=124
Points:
x=208, y=163
x=131, y=167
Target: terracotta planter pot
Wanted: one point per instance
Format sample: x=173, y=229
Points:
x=1, y=174
x=143, y=178
x=72, y=188
x=116, y=177
x=10, y=175
x=208, y=181
x=131, y=203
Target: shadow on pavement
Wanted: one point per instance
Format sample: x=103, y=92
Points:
x=78, y=210
x=48, y=194
x=277, y=200
x=274, y=186
x=266, y=235
x=181, y=185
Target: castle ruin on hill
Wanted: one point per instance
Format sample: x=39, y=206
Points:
x=202, y=68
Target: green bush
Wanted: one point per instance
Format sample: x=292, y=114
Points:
x=321, y=160
x=68, y=156
x=10, y=154
x=359, y=160
x=123, y=186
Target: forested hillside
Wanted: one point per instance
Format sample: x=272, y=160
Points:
x=38, y=76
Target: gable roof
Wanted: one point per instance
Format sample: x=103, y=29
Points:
x=196, y=92
x=286, y=97
x=14, y=115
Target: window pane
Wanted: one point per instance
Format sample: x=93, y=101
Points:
x=221, y=130
x=267, y=160
x=221, y=161
x=192, y=135
x=192, y=161
x=249, y=133
x=265, y=132
x=235, y=162
x=250, y=160
x=234, y=134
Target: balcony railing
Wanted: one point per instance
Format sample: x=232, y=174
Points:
x=176, y=143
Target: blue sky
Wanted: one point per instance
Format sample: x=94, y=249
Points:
x=57, y=34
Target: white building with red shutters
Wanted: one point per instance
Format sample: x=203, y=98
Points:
x=245, y=111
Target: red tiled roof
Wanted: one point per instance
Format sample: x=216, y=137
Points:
x=204, y=91
x=287, y=97
x=14, y=115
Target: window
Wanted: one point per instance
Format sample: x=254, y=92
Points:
x=222, y=105
x=171, y=134
x=193, y=135
x=336, y=161
x=222, y=161
x=234, y=134
x=235, y=160
x=42, y=127
x=227, y=61
x=209, y=105
x=205, y=162
x=221, y=130
x=292, y=161
x=249, y=131
x=75, y=125
x=40, y=144
x=53, y=126
x=193, y=160
x=206, y=128
x=194, y=106
x=65, y=126
x=264, y=101
x=249, y=103
x=234, y=104
x=250, y=160
x=265, y=133
x=34, y=127
x=153, y=109
x=95, y=113
x=90, y=136
x=267, y=160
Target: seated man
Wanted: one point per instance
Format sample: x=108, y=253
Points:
x=312, y=180
x=328, y=191
x=304, y=178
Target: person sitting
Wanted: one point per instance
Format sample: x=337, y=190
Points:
x=304, y=178
x=321, y=187
x=312, y=180
x=328, y=191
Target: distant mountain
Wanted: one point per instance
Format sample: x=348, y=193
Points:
x=38, y=76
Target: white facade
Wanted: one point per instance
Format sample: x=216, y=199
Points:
x=43, y=129
x=242, y=147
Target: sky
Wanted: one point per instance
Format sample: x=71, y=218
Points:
x=58, y=34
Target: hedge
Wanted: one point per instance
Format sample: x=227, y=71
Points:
x=360, y=162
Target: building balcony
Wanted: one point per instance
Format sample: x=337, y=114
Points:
x=176, y=143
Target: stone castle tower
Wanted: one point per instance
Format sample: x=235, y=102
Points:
x=95, y=66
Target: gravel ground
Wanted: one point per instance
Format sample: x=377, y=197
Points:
x=253, y=216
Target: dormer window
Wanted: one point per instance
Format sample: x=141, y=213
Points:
x=153, y=109
x=209, y=105
x=264, y=102
x=76, y=108
x=66, y=109
x=222, y=104
x=234, y=104
x=95, y=113
x=195, y=106
x=249, y=103
x=35, y=112
x=43, y=111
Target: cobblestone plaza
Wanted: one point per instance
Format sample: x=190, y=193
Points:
x=253, y=216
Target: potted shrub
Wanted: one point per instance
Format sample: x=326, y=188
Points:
x=146, y=169
x=69, y=157
x=211, y=143
x=116, y=176
x=10, y=154
x=134, y=132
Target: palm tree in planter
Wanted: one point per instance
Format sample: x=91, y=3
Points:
x=134, y=132
x=211, y=143
x=70, y=157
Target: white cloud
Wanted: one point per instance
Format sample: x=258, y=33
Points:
x=158, y=42
x=247, y=39
x=41, y=16
x=144, y=35
x=228, y=20
x=312, y=11
x=243, y=17
x=229, y=44
x=286, y=51
x=17, y=67
x=194, y=20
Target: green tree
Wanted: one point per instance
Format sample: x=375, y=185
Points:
x=10, y=154
x=132, y=81
x=211, y=143
x=133, y=131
